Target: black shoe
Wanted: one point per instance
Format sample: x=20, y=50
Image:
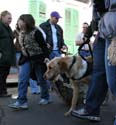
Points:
x=83, y=114
x=5, y=95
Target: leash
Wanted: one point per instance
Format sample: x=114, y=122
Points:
x=86, y=41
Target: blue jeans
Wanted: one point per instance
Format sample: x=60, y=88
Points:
x=54, y=53
x=24, y=76
x=98, y=87
x=33, y=83
x=115, y=122
x=85, y=53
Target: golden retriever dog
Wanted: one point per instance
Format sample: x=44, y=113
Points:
x=74, y=68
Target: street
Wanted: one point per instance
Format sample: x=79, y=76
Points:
x=51, y=114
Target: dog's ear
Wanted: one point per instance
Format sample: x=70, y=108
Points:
x=62, y=65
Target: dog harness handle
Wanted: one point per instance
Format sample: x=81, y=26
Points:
x=86, y=41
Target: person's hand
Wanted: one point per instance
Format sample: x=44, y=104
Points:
x=64, y=48
x=49, y=46
x=46, y=60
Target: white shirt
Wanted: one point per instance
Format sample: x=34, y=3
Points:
x=54, y=37
x=79, y=37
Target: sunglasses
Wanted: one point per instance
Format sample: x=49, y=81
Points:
x=56, y=18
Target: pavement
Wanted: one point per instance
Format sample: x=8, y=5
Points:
x=52, y=114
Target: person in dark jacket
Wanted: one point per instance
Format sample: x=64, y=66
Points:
x=7, y=50
x=54, y=35
x=104, y=73
x=33, y=54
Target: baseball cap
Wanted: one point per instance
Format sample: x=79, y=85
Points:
x=55, y=14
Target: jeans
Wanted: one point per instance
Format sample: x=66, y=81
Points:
x=55, y=53
x=98, y=87
x=115, y=122
x=24, y=76
x=85, y=53
x=33, y=84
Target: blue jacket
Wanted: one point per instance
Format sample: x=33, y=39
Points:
x=107, y=25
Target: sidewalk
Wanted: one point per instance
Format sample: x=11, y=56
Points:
x=52, y=114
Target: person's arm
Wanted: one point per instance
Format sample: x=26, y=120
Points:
x=64, y=46
x=39, y=38
x=78, y=40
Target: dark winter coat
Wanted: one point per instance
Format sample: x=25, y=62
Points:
x=7, y=50
x=46, y=26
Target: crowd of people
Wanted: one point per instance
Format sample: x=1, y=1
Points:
x=31, y=50
x=35, y=49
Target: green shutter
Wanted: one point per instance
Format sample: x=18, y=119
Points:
x=42, y=12
x=38, y=9
x=71, y=28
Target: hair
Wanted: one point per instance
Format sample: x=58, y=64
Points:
x=17, y=27
x=29, y=21
x=4, y=13
x=86, y=23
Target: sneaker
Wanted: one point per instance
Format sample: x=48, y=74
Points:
x=44, y=101
x=17, y=105
x=36, y=92
x=83, y=114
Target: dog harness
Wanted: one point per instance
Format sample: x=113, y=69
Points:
x=87, y=72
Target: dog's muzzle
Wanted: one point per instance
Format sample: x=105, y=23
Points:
x=49, y=78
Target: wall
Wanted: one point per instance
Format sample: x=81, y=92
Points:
x=16, y=7
x=79, y=11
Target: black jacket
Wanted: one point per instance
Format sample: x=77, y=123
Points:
x=7, y=50
x=46, y=26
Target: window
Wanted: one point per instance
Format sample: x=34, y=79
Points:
x=71, y=27
x=38, y=10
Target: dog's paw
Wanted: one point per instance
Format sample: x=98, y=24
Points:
x=67, y=113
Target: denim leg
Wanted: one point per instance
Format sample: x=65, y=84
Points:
x=33, y=85
x=24, y=75
x=39, y=71
x=110, y=71
x=85, y=53
x=18, y=54
x=51, y=56
x=55, y=54
x=98, y=86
